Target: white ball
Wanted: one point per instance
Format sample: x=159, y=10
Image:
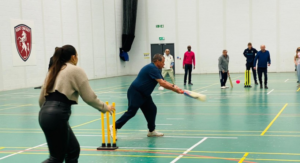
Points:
x=161, y=88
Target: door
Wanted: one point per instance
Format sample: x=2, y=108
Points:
x=160, y=48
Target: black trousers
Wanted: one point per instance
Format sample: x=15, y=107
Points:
x=188, y=70
x=135, y=101
x=62, y=143
x=248, y=66
x=260, y=71
x=223, y=78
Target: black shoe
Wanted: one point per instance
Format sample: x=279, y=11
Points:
x=261, y=87
x=190, y=83
x=297, y=81
x=184, y=83
x=256, y=83
x=266, y=87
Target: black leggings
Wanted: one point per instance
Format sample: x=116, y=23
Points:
x=62, y=143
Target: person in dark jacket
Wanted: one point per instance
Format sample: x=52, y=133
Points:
x=264, y=60
x=250, y=53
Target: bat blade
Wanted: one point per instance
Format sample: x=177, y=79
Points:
x=230, y=82
x=195, y=95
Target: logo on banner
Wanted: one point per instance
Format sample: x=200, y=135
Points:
x=23, y=41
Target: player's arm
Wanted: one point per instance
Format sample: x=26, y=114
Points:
x=245, y=53
x=169, y=86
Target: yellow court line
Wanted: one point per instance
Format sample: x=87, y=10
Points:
x=148, y=156
x=263, y=133
x=298, y=90
x=2, y=148
x=16, y=107
x=93, y=121
x=243, y=158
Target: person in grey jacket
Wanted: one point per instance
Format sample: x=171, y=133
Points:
x=223, y=68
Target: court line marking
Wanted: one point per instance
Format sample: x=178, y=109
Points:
x=200, y=137
x=2, y=148
x=203, y=91
x=298, y=89
x=266, y=129
x=175, y=118
x=93, y=121
x=286, y=80
x=179, y=150
x=22, y=151
x=46, y=143
x=16, y=106
x=201, y=141
x=243, y=158
x=270, y=91
x=164, y=124
x=147, y=156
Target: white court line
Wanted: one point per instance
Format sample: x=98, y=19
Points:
x=203, y=91
x=201, y=141
x=270, y=91
x=98, y=136
x=286, y=80
x=176, y=118
x=164, y=124
x=138, y=148
x=22, y=151
x=185, y=137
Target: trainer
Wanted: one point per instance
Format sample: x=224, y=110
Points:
x=223, y=69
x=188, y=61
x=168, y=68
x=250, y=53
x=139, y=94
x=264, y=60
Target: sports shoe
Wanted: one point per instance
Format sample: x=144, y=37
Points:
x=112, y=133
x=261, y=87
x=184, y=83
x=256, y=83
x=297, y=81
x=190, y=83
x=155, y=134
x=266, y=87
x=223, y=87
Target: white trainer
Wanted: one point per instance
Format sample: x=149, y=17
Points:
x=155, y=134
x=112, y=133
x=223, y=87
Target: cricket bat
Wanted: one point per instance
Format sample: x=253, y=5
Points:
x=230, y=81
x=195, y=95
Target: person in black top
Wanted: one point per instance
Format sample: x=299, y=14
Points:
x=250, y=53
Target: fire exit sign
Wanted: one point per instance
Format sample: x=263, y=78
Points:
x=161, y=38
x=160, y=26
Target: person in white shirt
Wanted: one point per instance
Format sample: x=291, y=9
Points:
x=169, y=63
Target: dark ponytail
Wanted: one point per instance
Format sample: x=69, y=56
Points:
x=60, y=57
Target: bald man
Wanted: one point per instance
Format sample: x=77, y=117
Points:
x=264, y=60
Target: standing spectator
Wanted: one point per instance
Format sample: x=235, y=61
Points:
x=188, y=61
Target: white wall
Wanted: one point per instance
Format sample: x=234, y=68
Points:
x=210, y=26
x=92, y=26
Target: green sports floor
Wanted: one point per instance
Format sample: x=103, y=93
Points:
x=233, y=125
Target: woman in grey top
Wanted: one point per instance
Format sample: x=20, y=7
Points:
x=63, y=84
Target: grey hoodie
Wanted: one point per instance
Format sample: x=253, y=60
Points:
x=223, y=63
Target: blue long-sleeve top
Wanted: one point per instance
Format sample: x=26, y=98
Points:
x=263, y=59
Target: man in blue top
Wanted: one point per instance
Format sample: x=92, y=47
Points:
x=249, y=53
x=264, y=60
x=139, y=94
